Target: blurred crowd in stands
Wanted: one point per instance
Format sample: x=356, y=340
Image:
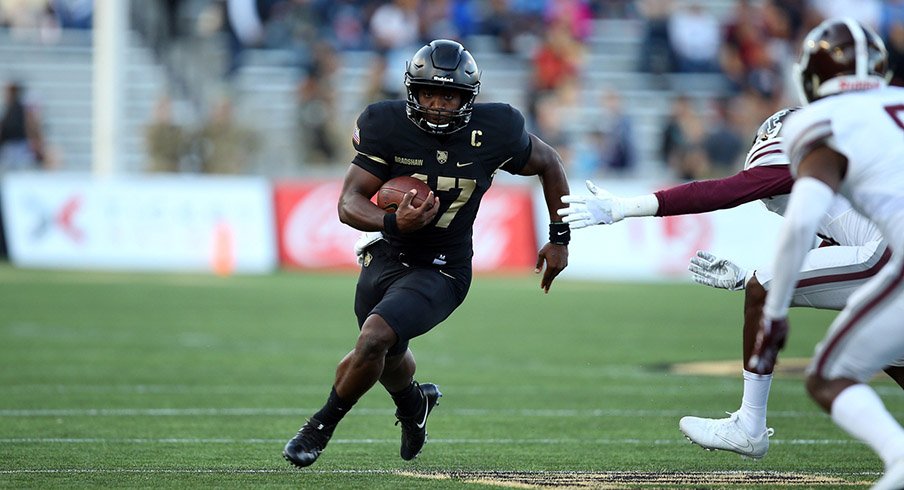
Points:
x=747, y=46
x=221, y=145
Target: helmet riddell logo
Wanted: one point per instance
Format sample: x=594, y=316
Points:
x=442, y=79
x=858, y=84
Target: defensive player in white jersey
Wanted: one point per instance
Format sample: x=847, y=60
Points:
x=849, y=140
x=851, y=250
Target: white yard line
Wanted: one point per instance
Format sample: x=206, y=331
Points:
x=489, y=441
x=304, y=412
x=198, y=471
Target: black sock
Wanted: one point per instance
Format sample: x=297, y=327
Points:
x=408, y=399
x=334, y=410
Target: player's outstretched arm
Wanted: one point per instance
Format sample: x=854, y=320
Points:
x=546, y=163
x=602, y=207
x=702, y=196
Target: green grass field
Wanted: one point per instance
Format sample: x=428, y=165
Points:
x=144, y=380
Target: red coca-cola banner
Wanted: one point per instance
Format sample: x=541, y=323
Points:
x=310, y=235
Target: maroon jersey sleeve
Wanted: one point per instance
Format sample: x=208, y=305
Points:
x=710, y=195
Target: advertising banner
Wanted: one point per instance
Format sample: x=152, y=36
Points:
x=159, y=222
x=310, y=235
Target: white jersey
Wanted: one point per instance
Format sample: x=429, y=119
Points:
x=829, y=274
x=766, y=151
x=841, y=225
x=868, y=129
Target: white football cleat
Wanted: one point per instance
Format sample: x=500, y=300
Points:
x=893, y=479
x=726, y=435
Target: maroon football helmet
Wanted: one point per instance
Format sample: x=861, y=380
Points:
x=840, y=55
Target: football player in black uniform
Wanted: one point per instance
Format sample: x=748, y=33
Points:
x=418, y=273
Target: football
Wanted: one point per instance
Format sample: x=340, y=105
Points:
x=393, y=190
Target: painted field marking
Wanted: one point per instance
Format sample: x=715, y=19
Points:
x=304, y=412
x=365, y=441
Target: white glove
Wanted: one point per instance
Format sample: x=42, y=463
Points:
x=366, y=239
x=601, y=208
x=710, y=270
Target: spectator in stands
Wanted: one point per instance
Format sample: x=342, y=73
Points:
x=585, y=162
x=463, y=14
x=617, y=145
x=347, y=21
x=785, y=20
x=764, y=76
x=74, y=14
x=374, y=88
x=656, y=54
x=683, y=142
x=745, y=33
x=224, y=146
x=22, y=144
x=24, y=19
x=319, y=135
x=614, y=9
x=548, y=125
x=732, y=65
x=753, y=48
x=499, y=23
x=395, y=28
x=695, y=37
x=436, y=20
x=724, y=141
x=528, y=18
x=556, y=61
x=575, y=14
x=166, y=142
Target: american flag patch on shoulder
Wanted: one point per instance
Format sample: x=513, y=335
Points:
x=356, y=136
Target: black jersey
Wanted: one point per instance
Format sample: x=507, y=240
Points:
x=458, y=167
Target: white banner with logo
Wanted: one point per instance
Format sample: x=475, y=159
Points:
x=158, y=222
x=654, y=249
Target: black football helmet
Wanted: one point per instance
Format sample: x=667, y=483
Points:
x=442, y=63
x=840, y=55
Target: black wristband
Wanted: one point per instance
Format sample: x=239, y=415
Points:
x=559, y=233
x=390, y=227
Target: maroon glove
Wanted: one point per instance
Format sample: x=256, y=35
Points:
x=769, y=340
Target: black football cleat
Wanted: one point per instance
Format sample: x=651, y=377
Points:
x=307, y=445
x=414, y=428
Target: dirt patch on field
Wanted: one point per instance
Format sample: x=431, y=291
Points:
x=634, y=479
x=785, y=366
